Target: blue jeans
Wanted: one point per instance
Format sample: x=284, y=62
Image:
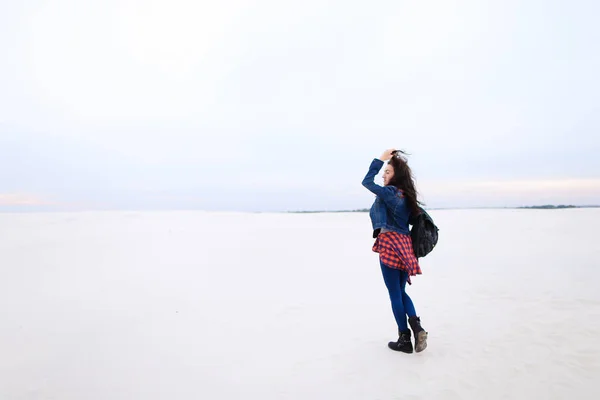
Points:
x=402, y=305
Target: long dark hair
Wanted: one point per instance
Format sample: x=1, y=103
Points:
x=404, y=180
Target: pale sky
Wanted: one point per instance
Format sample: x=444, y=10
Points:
x=273, y=105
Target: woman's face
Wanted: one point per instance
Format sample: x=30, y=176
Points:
x=388, y=174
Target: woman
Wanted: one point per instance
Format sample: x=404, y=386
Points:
x=394, y=205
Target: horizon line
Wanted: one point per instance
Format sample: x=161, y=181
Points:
x=27, y=209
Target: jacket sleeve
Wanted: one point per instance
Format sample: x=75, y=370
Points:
x=386, y=193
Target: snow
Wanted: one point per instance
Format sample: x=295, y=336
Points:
x=190, y=305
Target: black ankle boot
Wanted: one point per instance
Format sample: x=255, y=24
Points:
x=403, y=344
x=420, y=334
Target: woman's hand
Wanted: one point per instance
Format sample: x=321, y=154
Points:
x=387, y=155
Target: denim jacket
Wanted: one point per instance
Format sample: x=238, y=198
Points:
x=390, y=210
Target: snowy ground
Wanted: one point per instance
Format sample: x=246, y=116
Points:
x=193, y=305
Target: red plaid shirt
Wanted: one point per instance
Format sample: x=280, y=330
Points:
x=396, y=251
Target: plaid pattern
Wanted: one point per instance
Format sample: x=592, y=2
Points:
x=396, y=251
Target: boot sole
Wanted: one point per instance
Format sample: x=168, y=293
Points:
x=421, y=341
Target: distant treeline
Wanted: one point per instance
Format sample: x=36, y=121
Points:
x=550, y=207
x=542, y=207
x=335, y=211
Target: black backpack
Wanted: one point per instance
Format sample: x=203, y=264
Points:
x=424, y=234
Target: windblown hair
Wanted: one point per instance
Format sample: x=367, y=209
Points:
x=403, y=179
